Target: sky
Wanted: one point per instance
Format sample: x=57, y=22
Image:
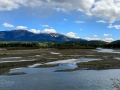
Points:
x=85, y=19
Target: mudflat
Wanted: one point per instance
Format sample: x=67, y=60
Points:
x=10, y=59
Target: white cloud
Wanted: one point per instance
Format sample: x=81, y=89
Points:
x=21, y=27
x=72, y=35
x=65, y=19
x=45, y=25
x=85, y=6
x=8, y=25
x=101, y=21
x=88, y=38
x=114, y=26
x=95, y=35
x=60, y=9
x=69, y=5
x=78, y=22
x=58, y=5
x=49, y=31
x=107, y=35
x=8, y=5
x=34, y=31
x=31, y=3
x=107, y=9
x=108, y=39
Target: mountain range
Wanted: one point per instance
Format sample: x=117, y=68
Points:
x=25, y=35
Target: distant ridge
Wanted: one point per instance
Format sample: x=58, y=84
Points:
x=25, y=35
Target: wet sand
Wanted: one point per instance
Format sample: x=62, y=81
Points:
x=43, y=56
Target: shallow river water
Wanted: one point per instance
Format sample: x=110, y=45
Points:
x=47, y=79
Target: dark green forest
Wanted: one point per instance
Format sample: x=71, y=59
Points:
x=64, y=45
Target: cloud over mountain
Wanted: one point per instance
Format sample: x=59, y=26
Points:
x=49, y=31
x=72, y=35
x=21, y=27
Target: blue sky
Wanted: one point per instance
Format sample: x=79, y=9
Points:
x=86, y=19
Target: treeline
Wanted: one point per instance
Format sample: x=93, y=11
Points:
x=25, y=45
x=76, y=46
x=19, y=45
x=86, y=46
x=112, y=46
x=36, y=45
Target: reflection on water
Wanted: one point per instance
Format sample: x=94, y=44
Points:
x=70, y=63
x=16, y=69
x=107, y=50
x=117, y=58
x=73, y=61
x=54, y=53
x=34, y=65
